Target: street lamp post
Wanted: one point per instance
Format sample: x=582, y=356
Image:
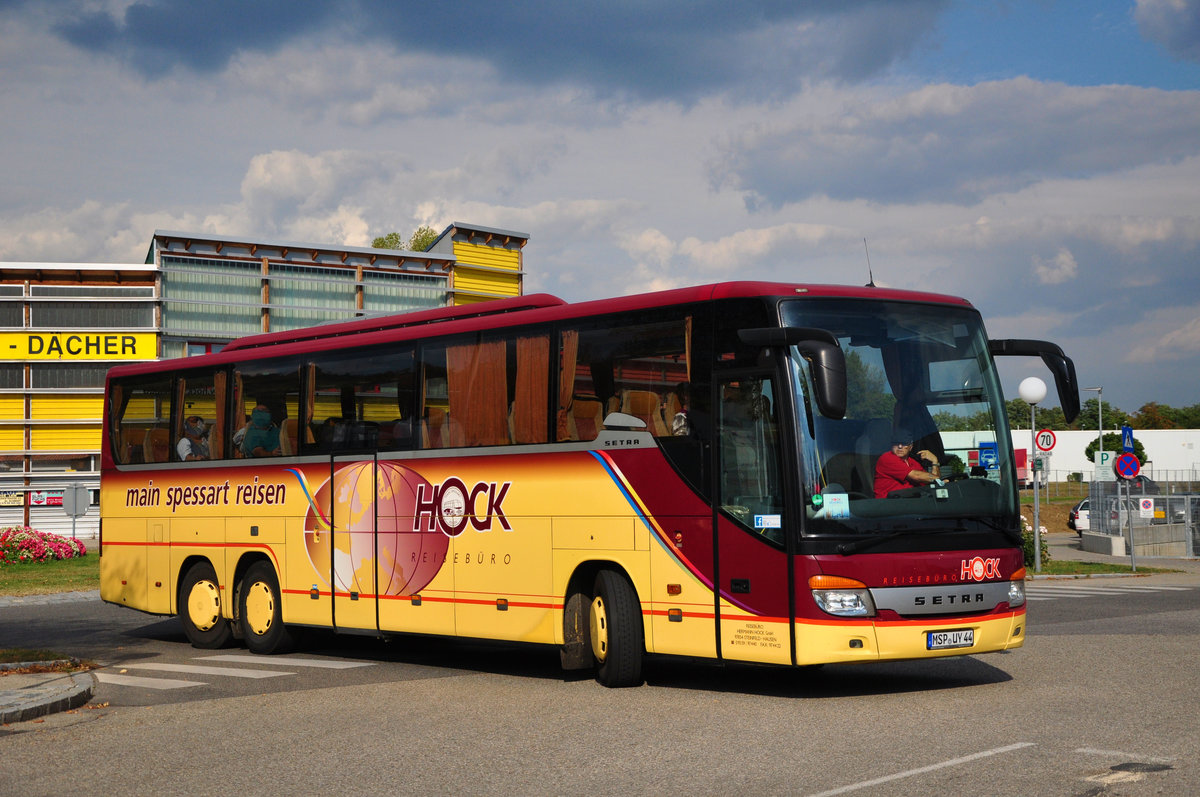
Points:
x=1099, y=391
x=1032, y=390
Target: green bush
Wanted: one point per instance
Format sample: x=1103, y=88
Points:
x=1027, y=542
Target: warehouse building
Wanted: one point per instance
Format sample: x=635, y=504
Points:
x=63, y=324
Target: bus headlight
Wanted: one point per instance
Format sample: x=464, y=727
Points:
x=1016, y=589
x=841, y=596
x=1016, y=594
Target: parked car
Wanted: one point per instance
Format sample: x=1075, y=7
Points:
x=1144, y=485
x=1079, y=517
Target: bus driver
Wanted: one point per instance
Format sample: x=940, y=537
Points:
x=896, y=469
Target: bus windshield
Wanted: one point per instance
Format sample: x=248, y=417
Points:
x=917, y=374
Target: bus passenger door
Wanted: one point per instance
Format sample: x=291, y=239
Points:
x=754, y=600
x=354, y=518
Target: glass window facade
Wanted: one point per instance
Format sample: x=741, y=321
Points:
x=67, y=375
x=210, y=298
x=106, y=315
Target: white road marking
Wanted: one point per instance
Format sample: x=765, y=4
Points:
x=921, y=770
x=194, y=669
x=146, y=683
x=328, y=664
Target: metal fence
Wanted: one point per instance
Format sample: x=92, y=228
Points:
x=1061, y=483
x=1153, y=522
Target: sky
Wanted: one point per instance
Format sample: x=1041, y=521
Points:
x=1040, y=158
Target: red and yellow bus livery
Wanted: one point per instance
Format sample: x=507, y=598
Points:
x=684, y=473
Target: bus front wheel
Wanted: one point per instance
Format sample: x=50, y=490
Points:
x=615, y=631
x=260, y=611
x=200, y=608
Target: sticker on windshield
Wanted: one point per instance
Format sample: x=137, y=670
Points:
x=837, y=505
x=768, y=521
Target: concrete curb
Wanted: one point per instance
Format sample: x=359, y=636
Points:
x=39, y=694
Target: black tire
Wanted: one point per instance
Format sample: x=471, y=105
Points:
x=199, y=608
x=260, y=611
x=615, y=631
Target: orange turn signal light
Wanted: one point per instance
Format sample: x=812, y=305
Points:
x=1018, y=574
x=834, y=582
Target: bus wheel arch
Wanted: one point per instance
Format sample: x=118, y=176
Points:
x=602, y=625
x=200, y=607
x=260, y=608
x=576, y=651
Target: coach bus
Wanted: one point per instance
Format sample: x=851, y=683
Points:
x=688, y=473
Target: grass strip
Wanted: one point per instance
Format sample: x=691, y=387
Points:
x=47, y=578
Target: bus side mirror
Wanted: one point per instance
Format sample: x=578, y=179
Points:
x=825, y=358
x=1059, y=364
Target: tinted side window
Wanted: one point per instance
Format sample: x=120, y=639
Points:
x=201, y=409
x=486, y=390
x=266, y=400
x=359, y=401
x=140, y=410
x=641, y=369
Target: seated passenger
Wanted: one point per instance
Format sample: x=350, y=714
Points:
x=897, y=470
x=192, y=445
x=262, y=436
x=681, y=424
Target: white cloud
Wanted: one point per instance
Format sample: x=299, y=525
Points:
x=1167, y=334
x=1060, y=268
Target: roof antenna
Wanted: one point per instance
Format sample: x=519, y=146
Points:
x=870, y=276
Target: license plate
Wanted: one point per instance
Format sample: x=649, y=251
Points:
x=943, y=640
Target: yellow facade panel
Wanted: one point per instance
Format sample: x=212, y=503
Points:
x=12, y=438
x=12, y=407
x=66, y=407
x=466, y=298
x=490, y=282
x=65, y=438
x=490, y=256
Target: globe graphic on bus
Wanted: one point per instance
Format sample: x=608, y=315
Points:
x=407, y=559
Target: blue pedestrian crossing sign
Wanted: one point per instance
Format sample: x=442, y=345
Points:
x=1127, y=439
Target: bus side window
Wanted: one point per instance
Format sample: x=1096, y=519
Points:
x=268, y=394
x=638, y=366
x=358, y=400
x=141, y=412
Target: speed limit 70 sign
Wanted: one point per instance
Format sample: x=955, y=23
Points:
x=1045, y=440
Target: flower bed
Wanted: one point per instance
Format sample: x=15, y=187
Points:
x=21, y=544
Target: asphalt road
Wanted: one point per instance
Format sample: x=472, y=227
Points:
x=1102, y=700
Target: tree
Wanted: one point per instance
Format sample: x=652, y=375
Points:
x=1091, y=408
x=1154, y=416
x=1047, y=417
x=1112, y=442
x=866, y=390
x=419, y=241
x=1189, y=417
x=422, y=238
x=389, y=241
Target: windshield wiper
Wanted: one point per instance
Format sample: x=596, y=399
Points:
x=1010, y=533
x=847, y=548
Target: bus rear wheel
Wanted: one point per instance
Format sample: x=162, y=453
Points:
x=200, y=608
x=260, y=611
x=615, y=631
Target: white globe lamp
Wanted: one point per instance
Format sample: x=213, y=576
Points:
x=1032, y=390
